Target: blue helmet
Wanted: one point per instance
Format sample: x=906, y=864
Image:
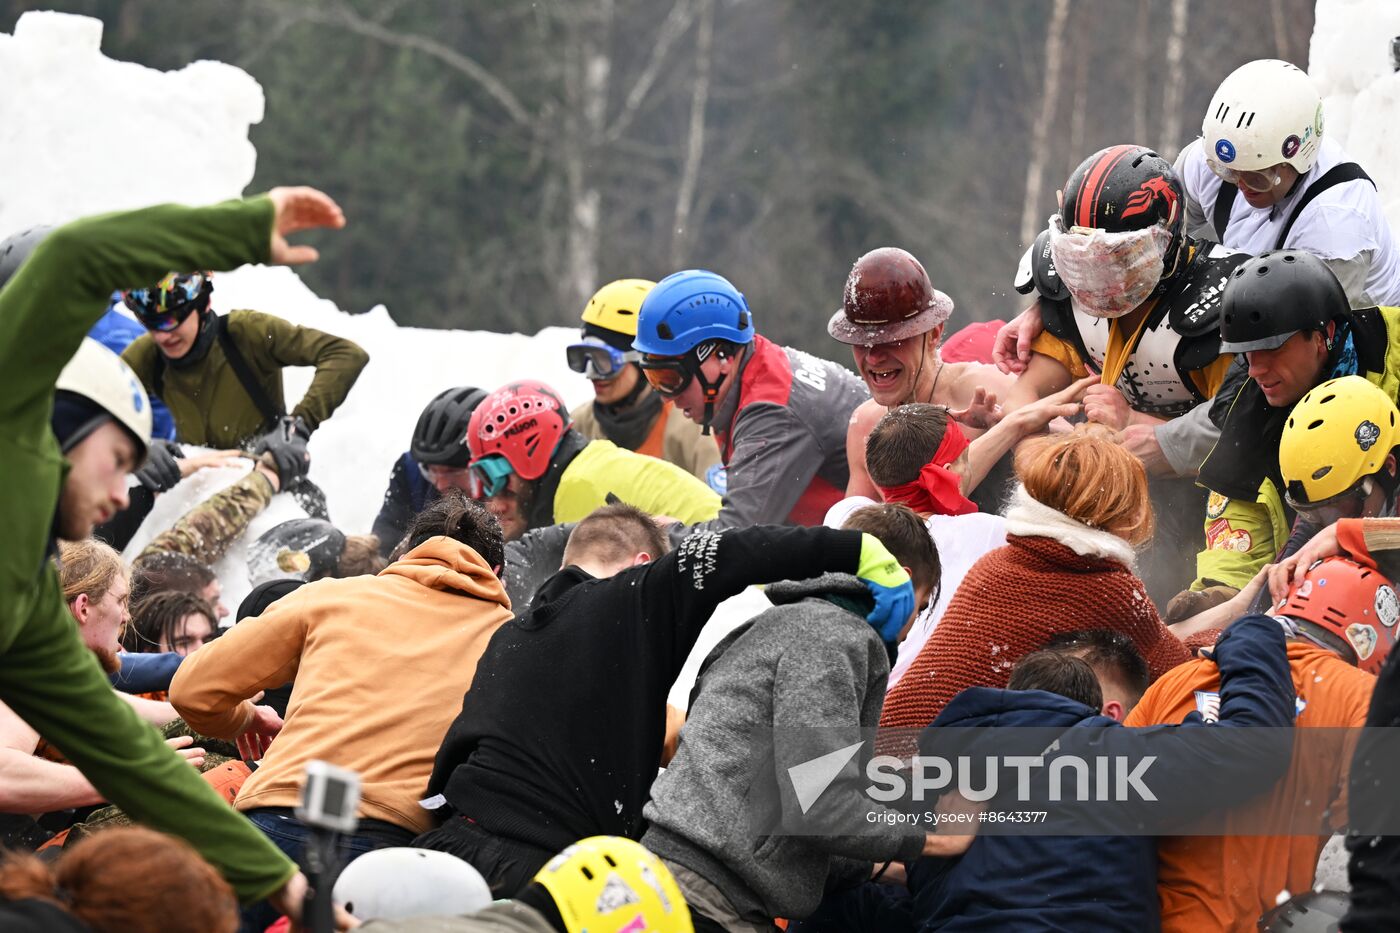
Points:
x=688, y=308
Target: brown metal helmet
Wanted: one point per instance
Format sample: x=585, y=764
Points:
x=888, y=297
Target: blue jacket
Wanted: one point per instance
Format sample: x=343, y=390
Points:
x=145, y=673
x=1047, y=883
x=115, y=331
x=407, y=494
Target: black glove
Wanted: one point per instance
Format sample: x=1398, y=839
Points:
x=286, y=445
x=160, y=472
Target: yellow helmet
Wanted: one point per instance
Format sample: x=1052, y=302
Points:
x=1337, y=435
x=614, y=307
x=607, y=884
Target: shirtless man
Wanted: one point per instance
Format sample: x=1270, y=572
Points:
x=893, y=318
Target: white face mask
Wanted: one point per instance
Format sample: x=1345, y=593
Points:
x=1108, y=274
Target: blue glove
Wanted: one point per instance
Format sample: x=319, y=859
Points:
x=889, y=585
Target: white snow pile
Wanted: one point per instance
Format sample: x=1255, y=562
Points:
x=80, y=134
x=1349, y=60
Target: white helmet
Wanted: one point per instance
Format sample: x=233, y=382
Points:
x=99, y=375
x=396, y=883
x=1264, y=113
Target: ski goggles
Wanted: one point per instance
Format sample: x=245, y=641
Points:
x=165, y=305
x=1260, y=182
x=1346, y=504
x=598, y=360
x=461, y=477
x=669, y=375
x=490, y=475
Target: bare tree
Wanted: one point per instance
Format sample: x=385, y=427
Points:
x=1040, y=133
x=1170, y=142
x=695, y=141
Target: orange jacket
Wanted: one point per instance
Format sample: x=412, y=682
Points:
x=1225, y=882
x=380, y=665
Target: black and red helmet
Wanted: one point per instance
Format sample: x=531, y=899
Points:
x=1124, y=188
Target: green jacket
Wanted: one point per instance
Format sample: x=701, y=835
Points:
x=210, y=406
x=47, y=676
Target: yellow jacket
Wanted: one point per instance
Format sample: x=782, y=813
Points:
x=654, y=486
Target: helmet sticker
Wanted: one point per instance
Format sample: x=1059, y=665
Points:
x=1387, y=606
x=1367, y=433
x=1216, y=505
x=1317, y=120
x=1305, y=590
x=615, y=895
x=1225, y=150
x=1362, y=638
x=1290, y=146
x=1141, y=200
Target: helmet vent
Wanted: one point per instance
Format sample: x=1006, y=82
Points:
x=664, y=332
x=1320, y=472
x=1256, y=316
x=1315, y=425
x=1326, y=398
x=587, y=872
x=610, y=860
x=743, y=320
x=1289, y=257
x=1261, y=269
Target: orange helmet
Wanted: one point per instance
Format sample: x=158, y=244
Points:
x=1347, y=607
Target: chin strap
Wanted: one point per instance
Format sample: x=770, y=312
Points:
x=711, y=389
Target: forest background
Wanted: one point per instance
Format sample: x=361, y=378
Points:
x=500, y=160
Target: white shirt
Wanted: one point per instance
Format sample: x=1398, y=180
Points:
x=960, y=541
x=1340, y=224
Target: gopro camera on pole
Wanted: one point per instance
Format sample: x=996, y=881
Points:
x=330, y=804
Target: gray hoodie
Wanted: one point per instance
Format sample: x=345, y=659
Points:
x=806, y=663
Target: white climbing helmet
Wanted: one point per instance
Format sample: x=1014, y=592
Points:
x=402, y=882
x=1266, y=112
x=99, y=375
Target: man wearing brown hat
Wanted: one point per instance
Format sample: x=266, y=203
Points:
x=893, y=318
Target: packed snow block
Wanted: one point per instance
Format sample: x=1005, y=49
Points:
x=85, y=134
x=1349, y=61
x=1374, y=139
x=1350, y=46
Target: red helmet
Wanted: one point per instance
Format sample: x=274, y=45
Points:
x=1350, y=603
x=523, y=422
x=888, y=297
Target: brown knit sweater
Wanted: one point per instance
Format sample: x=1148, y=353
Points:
x=1065, y=578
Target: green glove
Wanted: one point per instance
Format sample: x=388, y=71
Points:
x=888, y=584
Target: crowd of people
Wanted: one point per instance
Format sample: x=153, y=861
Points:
x=1156, y=515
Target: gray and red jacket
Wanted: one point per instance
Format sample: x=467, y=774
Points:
x=782, y=438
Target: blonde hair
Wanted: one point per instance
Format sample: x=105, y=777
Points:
x=360, y=557
x=1088, y=476
x=88, y=568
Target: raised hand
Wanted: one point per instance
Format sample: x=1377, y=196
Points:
x=298, y=209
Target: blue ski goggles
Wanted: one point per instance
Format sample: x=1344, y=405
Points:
x=598, y=360
x=490, y=475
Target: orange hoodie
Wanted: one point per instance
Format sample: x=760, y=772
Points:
x=380, y=663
